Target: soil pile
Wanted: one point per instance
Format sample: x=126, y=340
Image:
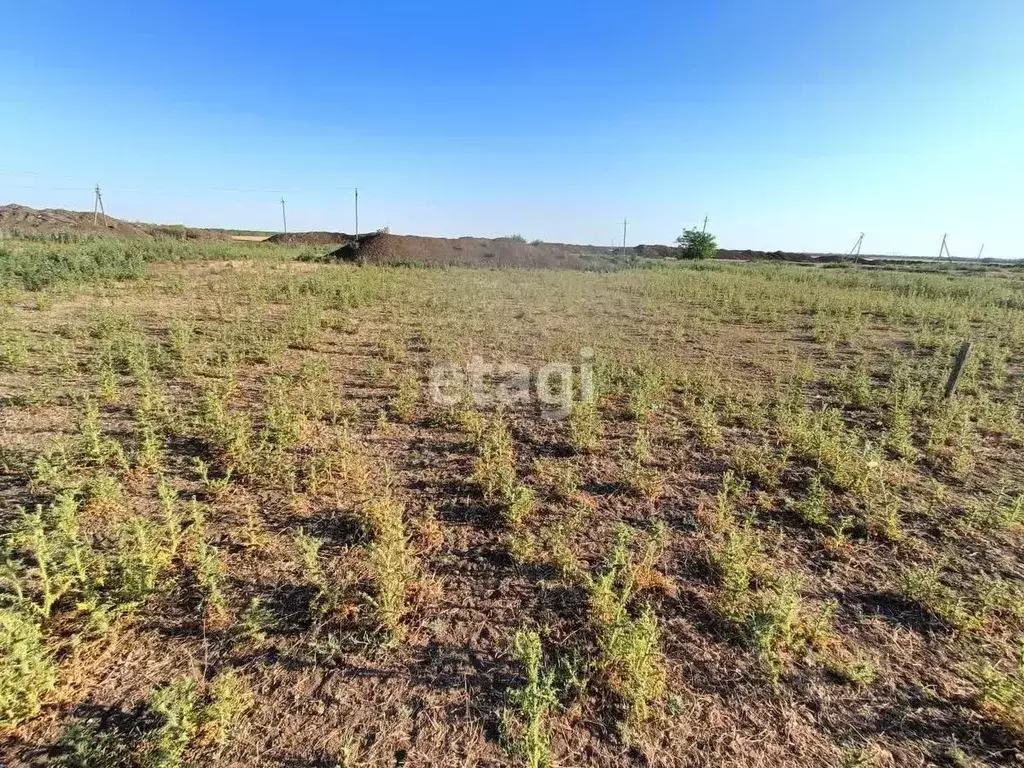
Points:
x=25, y=220
x=311, y=238
x=22, y=220
x=475, y=252
x=748, y=255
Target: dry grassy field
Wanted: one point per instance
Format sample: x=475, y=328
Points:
x=240, y=528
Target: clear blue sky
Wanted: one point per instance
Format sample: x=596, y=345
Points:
x=792, y=125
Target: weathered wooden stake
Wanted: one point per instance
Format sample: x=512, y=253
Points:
x=958, y=368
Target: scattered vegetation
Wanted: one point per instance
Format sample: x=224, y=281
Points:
x=238, y=464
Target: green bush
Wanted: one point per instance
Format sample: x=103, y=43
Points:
x=696, y=244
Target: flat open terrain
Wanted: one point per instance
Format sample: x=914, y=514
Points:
x=240, y=529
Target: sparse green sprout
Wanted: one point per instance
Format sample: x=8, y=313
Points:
x=187, y=716
x=1008, y=509
x=494, y=472
x=584, y=426
x=770, y=617
x=709, y=431
x=94, y=443
x=150, y=453
x=526, y=721
x=13, y=349
x=761, y=463
x=182, y=343
x=392, y=563
x=230, y=697
x=641, y=451
x=644, y=482
x=109, y=385
x=855, y=385
x=403, y=403
x=141, y=557
x=924, y=586
x=855, y=668
x=813, y=510
x=84, y=744
x=773, y=623
x=330, y=593
x=58, y=568
x=27, y=671
x=734, y=557
x=631, y=661
x=519, y=503
x=494, y=468
x=567, y=483
x=178, y=707
x=210, y=574
x=1002, y=695
x=899, y=438
x=254, y=624
x=645, y=388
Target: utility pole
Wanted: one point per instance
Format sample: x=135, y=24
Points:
x=945, y=248
x=97, y=208
x=357, y=217
x=284, y=218
x=705, y=227
x=981, y=250
x=855, y=251
x=623, y=237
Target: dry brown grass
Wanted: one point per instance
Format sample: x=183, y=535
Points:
x=867, y=619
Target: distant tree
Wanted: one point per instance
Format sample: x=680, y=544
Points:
x=696, y=244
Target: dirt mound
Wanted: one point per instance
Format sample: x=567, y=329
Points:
x=311, y=238
x=475, y=252
x=22, y=220
x=25, y=220
x=749, y=255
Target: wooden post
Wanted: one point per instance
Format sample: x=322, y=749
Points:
x=958, y=368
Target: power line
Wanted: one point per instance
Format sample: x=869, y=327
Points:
x=48, y=189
